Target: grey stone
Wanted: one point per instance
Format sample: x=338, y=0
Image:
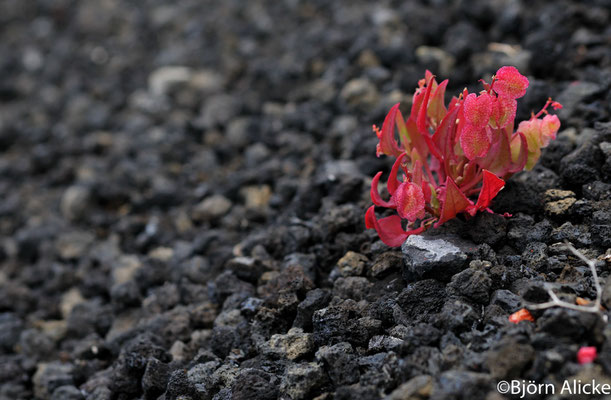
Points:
x=50, y=376
x=240, y=132
x=509, y=359
x=10, y=329
x=361, y=94
x=67, y=392
x=164, y=79
x=472, y=283
x=455, y=384
x=352, y=264
x=458, y=315
x=341, y=363
x=535, y=255
x=225, y=374
x=419, y=387
x=315, y=300
x=36, y=344
x=292, y=345
x=558, y=202
x=505, y=299
x=211, y=208
x=246, y=268
x=385, y=263
x=573, y=95
x=381, y=343
x=428, y=55
x=200, y=376
x=606, y=297
x=253, y=383
x=219, y=109
x=438, y=257
x=155, y=378
x=74, y=202
x=322, y=90
x=72, y=245
x=300, y=380
x=352, y=287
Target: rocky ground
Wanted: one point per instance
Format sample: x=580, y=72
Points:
x=183, y=186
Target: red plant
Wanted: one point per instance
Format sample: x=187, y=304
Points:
x=449, y=154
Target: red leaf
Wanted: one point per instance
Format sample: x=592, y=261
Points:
x=444, y=135
x=477, y=109
x=474, y=141
x=375, y=194
x=416, y=172
x=490, y=188
x=436, y=109
x=426, y=189
x=416, y=104
x=421, y=122
x=388, y=144
x=500, y=160
x=509, y=82
x=454, y=202
x=409, y=199
x=389, y=229
x=393, y=182
x=411, y=137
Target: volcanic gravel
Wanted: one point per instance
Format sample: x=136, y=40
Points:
x=183, y=187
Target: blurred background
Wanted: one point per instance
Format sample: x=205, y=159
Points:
x=150, y=105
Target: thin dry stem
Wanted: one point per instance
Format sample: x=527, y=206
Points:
x=595, y=307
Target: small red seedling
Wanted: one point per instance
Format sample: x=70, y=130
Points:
x=521, y=315
x=586, y=355
x=446, y=155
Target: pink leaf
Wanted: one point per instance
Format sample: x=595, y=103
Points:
x=490, y=188
x=474, y=141
x=409, y=199
x=504, y=111
x=509, y=82
x=477, y=109
x=549, y=127
x=498, y=160
x=389, y=229
x=519, y=160
x=454, y=202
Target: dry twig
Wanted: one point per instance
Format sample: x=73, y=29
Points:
x=593, y=307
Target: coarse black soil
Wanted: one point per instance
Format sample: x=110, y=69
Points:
x=183, y=187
